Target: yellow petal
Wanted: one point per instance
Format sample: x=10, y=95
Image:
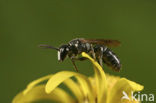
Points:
x=74, y=87
x=111, y=81
x=38, y=93
x=35, y=82
x=94, y=86
x=116, y=93
x=60, y=77
x=100, y=79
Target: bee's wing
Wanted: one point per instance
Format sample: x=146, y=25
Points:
x=106, y=42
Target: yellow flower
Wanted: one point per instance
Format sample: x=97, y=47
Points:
x=101, y=88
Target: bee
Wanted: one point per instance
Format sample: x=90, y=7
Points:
x=96, y=48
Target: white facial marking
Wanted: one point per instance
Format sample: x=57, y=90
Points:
x=76, y=45
x=67, y=49
x=58, y=55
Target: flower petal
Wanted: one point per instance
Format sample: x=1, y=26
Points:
x=60, y=77
x=123, y=85
x=75, y=88
x=111, y=81
x=35, y=82
x=94, y=86
x=100, y=79
x=38, y=93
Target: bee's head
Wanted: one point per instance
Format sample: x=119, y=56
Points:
x=62, y=52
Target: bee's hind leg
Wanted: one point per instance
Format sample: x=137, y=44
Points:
x=100, y=58
x=100, y=62
x=92, y=52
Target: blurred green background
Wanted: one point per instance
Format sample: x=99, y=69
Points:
x=26, y=23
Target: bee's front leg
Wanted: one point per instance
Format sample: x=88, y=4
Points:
x=73, y=62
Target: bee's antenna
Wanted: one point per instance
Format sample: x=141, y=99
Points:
x=47, y=46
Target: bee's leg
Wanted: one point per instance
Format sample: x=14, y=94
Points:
x=73, y=62
x=80, y=59
x=100, y=61
x=100, y=58
x=93, y=53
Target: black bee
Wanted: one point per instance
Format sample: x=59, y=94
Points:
x=97, y=48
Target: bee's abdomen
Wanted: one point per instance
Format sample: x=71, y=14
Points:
x=111, y=59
